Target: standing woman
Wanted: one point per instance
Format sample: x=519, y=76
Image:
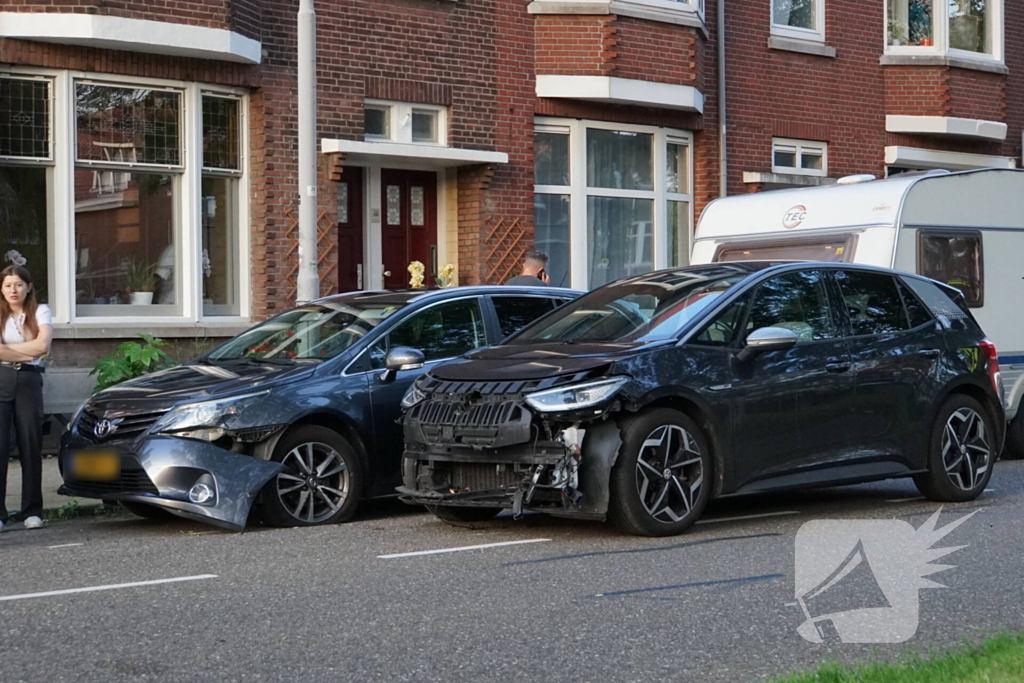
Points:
x=26, y=329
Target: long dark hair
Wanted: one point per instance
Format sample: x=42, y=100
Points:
x=29, y=306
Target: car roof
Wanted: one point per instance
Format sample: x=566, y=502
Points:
x=403, y=297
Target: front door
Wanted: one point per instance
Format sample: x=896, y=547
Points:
x=409, y=233
x=351, y=269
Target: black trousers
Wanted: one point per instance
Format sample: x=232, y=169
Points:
x=26, y=413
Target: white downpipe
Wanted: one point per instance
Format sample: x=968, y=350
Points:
x=308, y=279
x=723, y=156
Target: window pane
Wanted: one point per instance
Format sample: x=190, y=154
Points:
x=551, y=159
x=24, y=118
x=841, y=251
x=678, y=233
x=130, y=125
x=424, y=126
x=124, y=243
x=955, y=260
x=785, y=159
x=619, y=159
x=910, y=22
x=443, y=331
x=794, y=302
x=916, y=311
x=220, y=246
x=872, y=302
x=722, y=330
x=796, y=13
x=551, y=235
x=377, y=122
x=619, y=238
x=515, y=313
x=220, y=133
x=23, y=202
x=969, y=22
x=677, y=176
x=812, y=160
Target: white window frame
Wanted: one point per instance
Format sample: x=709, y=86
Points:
x=400, y=122
x=188, y=186
x=799, y=147
x=940, y=36
x=815, y=34
x=579, y=192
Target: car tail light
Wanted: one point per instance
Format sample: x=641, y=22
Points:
x=989, y=349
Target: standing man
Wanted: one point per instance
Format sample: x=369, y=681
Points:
x=534, y=270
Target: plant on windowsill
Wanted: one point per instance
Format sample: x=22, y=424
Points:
x=139, y=280
x=130, y=360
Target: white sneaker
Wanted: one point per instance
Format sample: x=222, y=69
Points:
x=33, y=523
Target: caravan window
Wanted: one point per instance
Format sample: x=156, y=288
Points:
x=839, y=250
x=954, y=258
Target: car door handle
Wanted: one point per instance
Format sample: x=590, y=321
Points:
x=838, y=366
x=929, y=353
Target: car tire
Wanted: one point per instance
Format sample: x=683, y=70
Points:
x=321, y=482
x=662, y=479
x=460, y=516
x=960, y=454
x=144, y=510
x=1014, y=447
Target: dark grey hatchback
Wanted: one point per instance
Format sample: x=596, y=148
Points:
x=643, y=399
x=302, y=408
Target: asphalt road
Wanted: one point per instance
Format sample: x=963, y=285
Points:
x=579, y=602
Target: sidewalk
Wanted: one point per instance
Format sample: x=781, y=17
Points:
x=51, y=482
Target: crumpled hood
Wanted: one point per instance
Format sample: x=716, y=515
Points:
x=531, y=361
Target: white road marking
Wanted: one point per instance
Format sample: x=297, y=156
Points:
x=110, y=587
x=66, y=545
x=989, y=490
x=458, y=550
x=905, y=500
x=735, y=519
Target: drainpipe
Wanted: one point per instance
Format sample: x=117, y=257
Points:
x=723, y=156
x=308, y=279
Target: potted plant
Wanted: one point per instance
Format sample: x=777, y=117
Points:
x=139, y=280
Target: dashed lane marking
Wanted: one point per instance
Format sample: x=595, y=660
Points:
x=460, y=549
x=115, y=586
x=742, y=517
x=905, y=500
x=64, y=545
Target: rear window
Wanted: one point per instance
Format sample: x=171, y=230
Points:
x=948, y=307
x=954, y=258
x=873, y=303
x=837, y=250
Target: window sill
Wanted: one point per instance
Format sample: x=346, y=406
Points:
x=786, y=179
x=988, y=65
x=807, y=47
x=128, y=330
x=683, y=15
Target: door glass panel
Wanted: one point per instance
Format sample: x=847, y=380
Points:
x=619, y=159
x=872, y=302
x=515, y=313
x=619, y=237
x=551, y=234
x=416, y=205
x=394, y=208
x=443, y=331
x=796, y=302
x=343, y=202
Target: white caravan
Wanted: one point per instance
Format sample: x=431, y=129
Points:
x=965, y=229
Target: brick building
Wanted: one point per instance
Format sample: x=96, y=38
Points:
x=152, y=145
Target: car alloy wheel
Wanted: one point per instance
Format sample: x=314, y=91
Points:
x=966, y=453
x=669, y=473
x=314, y=483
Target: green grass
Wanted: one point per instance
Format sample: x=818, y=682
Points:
x=997, y=660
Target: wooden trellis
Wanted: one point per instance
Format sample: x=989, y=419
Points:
x=504, y=237
x=327, y=247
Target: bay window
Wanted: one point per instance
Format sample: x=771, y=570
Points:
x=966, y=27
x=611, y=200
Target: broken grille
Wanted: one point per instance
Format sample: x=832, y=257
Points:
x=449, y=414
x=478, y=476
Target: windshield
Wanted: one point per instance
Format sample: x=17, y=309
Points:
x=638, y=310
x=315, y=331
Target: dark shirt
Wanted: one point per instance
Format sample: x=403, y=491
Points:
x=527, y=281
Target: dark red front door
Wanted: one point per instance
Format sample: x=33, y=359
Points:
x=409, y=225
x=351, y=270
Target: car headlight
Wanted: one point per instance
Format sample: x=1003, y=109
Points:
x=413, y=396
x=576, y=396
x=218, y=414
x=78, y=414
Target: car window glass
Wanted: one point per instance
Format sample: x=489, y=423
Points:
x=442, y=331
x=948, y=307
x=872, y=302
x=722, y=329
x=516, y=312
x=916, y=311
x=796, y=302
x=954, y=260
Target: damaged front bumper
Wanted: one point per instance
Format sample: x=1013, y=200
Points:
x=162, y=470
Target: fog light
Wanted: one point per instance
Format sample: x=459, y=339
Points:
x=200, y=494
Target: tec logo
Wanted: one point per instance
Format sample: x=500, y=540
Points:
x=794, y=217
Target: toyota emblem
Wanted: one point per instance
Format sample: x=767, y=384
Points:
x=104, y=428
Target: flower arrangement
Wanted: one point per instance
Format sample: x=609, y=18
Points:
x=446, y=277
x=14, y=256
x=416, y=270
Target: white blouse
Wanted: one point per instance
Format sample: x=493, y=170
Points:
x=15, y=327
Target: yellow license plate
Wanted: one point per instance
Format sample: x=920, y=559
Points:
x=95, y=465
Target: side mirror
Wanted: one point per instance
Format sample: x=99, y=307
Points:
x=401, y=358
x=765, y=340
